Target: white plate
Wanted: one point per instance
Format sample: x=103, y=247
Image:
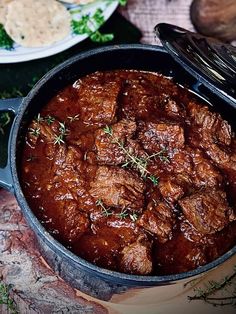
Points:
x=19, y=54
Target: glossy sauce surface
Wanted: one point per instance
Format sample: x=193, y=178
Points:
x=132, y=173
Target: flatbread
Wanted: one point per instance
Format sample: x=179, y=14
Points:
x=37, y=23
x=3, y=10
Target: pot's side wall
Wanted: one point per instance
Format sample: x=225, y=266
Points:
x=106, y=291
x=77, y=277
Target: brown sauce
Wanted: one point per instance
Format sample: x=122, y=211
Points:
x=132, y=173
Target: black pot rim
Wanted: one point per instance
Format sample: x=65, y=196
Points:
x=115, y=277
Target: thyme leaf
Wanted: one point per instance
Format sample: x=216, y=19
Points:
x=63, y=131
x=62, y=128
x=58, y=139
x=123, y=214
x=34, y=131
x=133, y=217
x=154, y=180
x=38, y=119
x=73, y=118
x=49, y=119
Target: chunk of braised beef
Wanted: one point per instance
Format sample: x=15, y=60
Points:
x=118, y=187
x=75, y=222
x=193, y=170
x=224, y=159
x=136, y=258
x=40, y=129
x=68, y=175
x=158, y=220
x=170, y=190
x=193, y=234
x=109, y=152
x=139, y=98
x=172, y=108
x=211, y=125
x=144, y=96
x=208, y=211
x=157, y=136
x=97, y=97
x=204, y=174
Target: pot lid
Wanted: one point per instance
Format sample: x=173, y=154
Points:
x=212, y=62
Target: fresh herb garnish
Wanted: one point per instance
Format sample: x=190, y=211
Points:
x=62, y=128
x=123, y=214
x=138, y=163
x=5, y=40
x=89, y=24
x=133, y=217
x=73, y=118
x=154, y=180
x=38, y=119
x=218, y=293
x=63, y=131
x=105, y=211
x=58, y=139
x=31, y=158
x=49, y=119
x=34, y=131
x=5, y=298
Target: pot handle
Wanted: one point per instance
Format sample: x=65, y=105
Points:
x=12, y=105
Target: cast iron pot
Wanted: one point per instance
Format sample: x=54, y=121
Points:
x=88, y=278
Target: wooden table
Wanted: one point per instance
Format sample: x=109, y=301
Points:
x=38, y=289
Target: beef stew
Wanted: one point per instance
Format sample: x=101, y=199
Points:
x=133, y=173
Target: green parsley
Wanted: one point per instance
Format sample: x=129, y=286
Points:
x=89, y=24
x=5, y=40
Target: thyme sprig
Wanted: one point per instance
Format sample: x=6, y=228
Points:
x=5, y=298
x=38, y=118
x=63, y=131
x=123, y=214
x=49, y=119
x=73, y=118
x=138, y=163
x=105, y=211
x=58, y=138
x=210, y=293
x=34, y=131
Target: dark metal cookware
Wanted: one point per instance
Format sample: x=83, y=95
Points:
x=93, y=280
